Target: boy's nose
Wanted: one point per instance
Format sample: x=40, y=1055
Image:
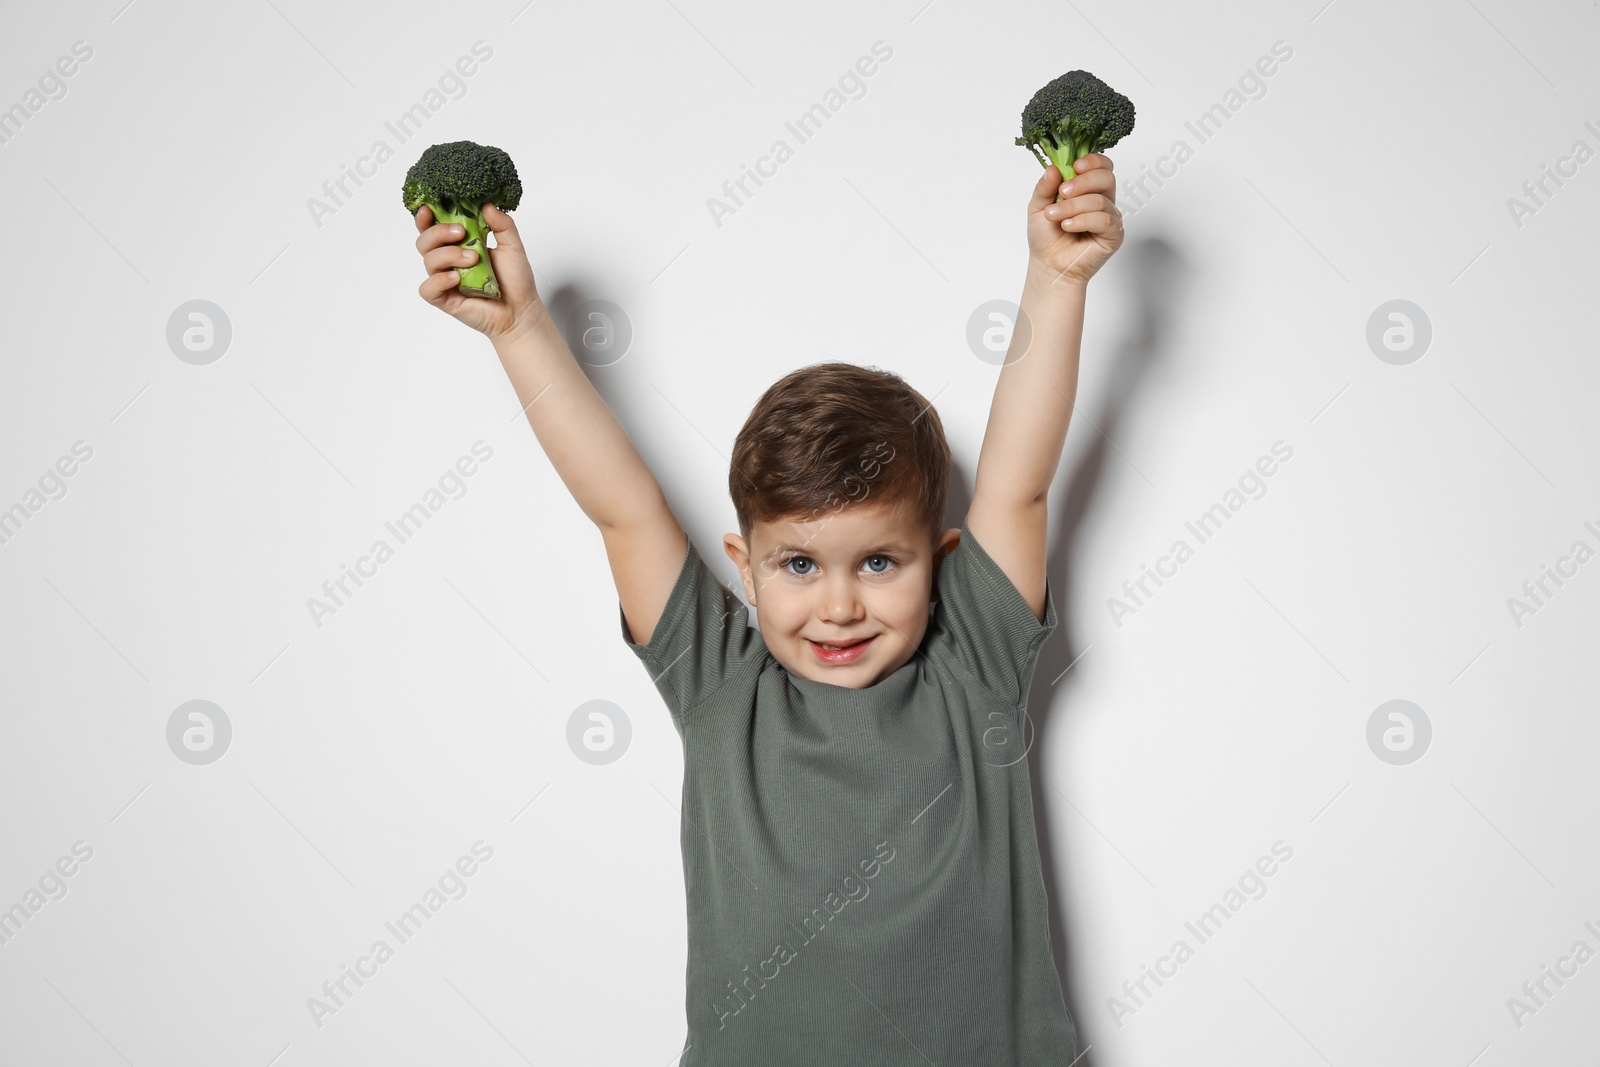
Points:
x=842, y=607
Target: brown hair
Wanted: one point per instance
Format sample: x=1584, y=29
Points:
x=834, y=434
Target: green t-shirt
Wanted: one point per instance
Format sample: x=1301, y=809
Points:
x=861, y=865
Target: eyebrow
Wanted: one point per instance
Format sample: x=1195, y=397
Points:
x=894, y=547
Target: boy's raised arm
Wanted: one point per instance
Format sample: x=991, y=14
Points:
x=597, y=462
x=1067, y=242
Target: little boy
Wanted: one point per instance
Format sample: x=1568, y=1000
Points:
x=859, y=852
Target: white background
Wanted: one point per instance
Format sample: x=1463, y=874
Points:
x=1228, y=713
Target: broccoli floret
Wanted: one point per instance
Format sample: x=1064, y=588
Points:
x=456, y=179
x=1072, y=116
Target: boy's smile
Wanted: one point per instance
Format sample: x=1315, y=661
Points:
x=858, y=579
x=834, y=654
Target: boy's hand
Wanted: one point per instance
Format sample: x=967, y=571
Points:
x=1072, y=239
x=518, y=307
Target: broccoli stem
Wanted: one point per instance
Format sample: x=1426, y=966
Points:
x=1064, y=155
x=478, y=279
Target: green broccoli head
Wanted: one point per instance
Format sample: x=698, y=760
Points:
x=1072, y=116
x=456, y=179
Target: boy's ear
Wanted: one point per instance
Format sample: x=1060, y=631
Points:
x=942, y=547
x=737, y=551
x=947, y=542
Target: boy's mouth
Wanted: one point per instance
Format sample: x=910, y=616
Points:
x=834, y=654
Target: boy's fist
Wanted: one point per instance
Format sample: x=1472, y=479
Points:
x=518, y=307
x=1073, y=238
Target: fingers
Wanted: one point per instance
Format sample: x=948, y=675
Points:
x=442, y=234
x=1086, y=213
x=1092, y=173
x=1094, y=180
x=1044, y=191
x=1089, y=222
x=440, y=281
x=431, y=237
x=1077, y=205
x=1092, y=161
x=435, y=288
x=447, y=256
x=505, y=230
x=443, y=258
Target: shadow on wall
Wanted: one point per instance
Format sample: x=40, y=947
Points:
x=1157, y=271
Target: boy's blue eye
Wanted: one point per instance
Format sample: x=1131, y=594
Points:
x=886, y=561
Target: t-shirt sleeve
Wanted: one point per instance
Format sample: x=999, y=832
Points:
x=984, y=621
x=701, y=641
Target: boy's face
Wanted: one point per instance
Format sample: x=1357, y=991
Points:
x=865, y=571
